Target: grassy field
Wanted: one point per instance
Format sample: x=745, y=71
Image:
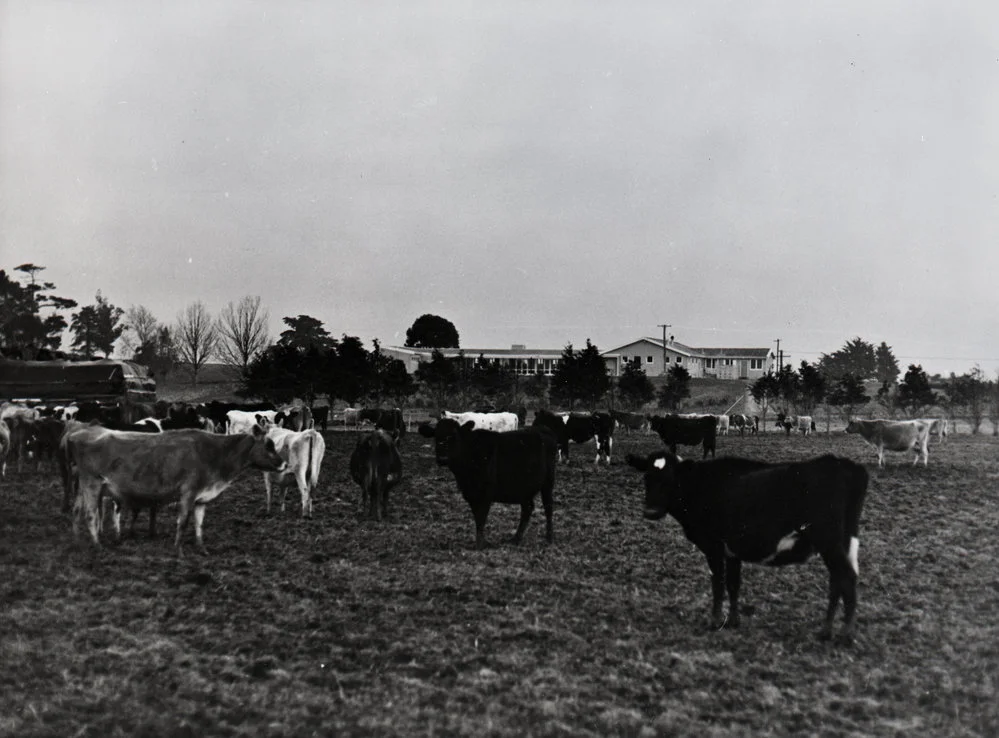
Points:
x=341, y=626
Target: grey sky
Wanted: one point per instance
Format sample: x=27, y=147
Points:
x=537, y=173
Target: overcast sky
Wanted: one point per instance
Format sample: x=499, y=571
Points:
x=537, y=172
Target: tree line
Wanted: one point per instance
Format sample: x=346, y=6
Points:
x=306, y=361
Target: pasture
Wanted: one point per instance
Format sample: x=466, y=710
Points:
x=343, y=626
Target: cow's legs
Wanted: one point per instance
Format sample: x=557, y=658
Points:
x=267, y=490
x=733, y=578
x=199, y=519
x=183, y=515
x=480, y=512
x=374, y=495
x=842, y=583
x=717, y=565
x=87, y=508
x=526, y=510
x=303, y=491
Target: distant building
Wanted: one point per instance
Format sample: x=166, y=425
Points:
x=721, y=363
x=518, y=358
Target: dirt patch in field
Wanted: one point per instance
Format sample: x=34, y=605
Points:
x=346, y=626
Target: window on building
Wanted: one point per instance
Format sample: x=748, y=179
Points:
x=756, y=363
x=648, y=359
x=679, y=359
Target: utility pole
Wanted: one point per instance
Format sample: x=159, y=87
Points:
x=777, y=355
x=664, y=326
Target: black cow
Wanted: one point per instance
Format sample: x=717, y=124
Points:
x=674, y=430
x=737, y=510
x=295, y=418
x=390, y=421
x=631, y=421
x=508, y=468
x=376, y=466
x=321, y=416
x=579, y=428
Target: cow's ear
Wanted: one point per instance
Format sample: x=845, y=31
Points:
x=639, y=462
x=427, y=430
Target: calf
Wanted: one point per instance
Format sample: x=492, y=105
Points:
x=939, y=427
x=737, y=510
x=894, y=435
x=508, y=468
x=191, y=467
x=744, y=423
x=43, y=442
x=303, y=453
x=376, y=466
x=675, y=430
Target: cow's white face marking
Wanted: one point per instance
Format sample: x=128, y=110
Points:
x=852, y=555
x=659, y=463
x=787, y=542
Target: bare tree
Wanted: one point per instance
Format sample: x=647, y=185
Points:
x=141, y=328
x=242, y=332
x=195, y=337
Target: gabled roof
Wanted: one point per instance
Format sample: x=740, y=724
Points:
x=706, y=353
x=658, y=343
x=735, y=353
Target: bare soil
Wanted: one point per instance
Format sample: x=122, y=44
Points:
x=344, y=626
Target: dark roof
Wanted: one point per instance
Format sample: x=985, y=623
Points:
x=734, y=353
x=72, y=379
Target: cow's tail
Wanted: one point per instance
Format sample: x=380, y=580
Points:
x=372, y=486
x=309, y=476
x=857, y=480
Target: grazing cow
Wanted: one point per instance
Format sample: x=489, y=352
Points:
x=675, y=430
x=737, y=510
x=508, y=468
x=4, y=448
x=939, y=427
x=303, y=451
x=579, y=428
x=321, y=417
x=376, y=466
x=499, y=422
x=390, y=421
x=894, y=435
x=631, y=421
x=744, y=423
x=191, y=467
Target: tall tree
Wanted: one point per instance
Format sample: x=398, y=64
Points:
x=676, y=389
x=811, y=388
x=789, y=387
x=634, y=385
x=96, y=327
x=23, y=330
x=857, y=357
x=581, y=376
x=432, y=331
x=885, y=364
x=993, y=406
x=158, y=353
x=847, y=394
x=915, y=395
x=306, y=332
x=971, y=392
x=765, y=391
x=390, y=380
x=242, y=332
x=141, y=327
x=440, y=375
x=493, y=383
x=887, y=398
x=195, y=337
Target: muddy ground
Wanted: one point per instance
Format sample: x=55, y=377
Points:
x=344, y=626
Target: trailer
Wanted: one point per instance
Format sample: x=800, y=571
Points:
x=107, y=381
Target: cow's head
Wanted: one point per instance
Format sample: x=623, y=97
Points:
x=264, y=454
x=659, y=471
x=445, y=435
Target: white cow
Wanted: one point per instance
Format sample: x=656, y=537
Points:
x=243, y=421
x=303, y=451
x=501, y=422
x=939, y=427
x=722, y=427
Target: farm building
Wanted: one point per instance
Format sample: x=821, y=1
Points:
x=518, y=358
x=722, y=363
x=103, y=380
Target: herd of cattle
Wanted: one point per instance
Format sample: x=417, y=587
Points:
x=733, y=510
